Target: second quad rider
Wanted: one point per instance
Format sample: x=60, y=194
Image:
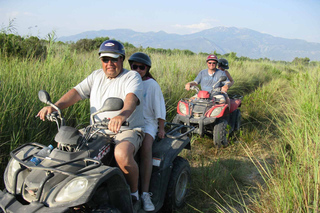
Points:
x=208, y=77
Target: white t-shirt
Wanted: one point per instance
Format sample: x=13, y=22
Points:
x=98, y=87
x=153, y=107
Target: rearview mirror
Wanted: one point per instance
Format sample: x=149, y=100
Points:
x=44, y=96
x=112, y=104
x=223, y=78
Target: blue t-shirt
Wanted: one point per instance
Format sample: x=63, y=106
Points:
x=206, y=81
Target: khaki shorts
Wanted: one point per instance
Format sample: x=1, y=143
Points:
x=133, y=136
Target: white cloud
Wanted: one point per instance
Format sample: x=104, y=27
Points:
x=200, y=26
x=203, y=25
x=29, y=14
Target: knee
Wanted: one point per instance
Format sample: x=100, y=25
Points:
x=124, y=153
x=120, y=155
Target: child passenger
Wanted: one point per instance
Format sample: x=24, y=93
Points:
x=224, y=65
x=154, y=115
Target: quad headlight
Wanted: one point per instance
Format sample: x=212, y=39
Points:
x=183, y=108
x=12, y=167
x=73, y=190
x=216, y=111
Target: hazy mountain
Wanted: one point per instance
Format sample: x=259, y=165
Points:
x=244, y=42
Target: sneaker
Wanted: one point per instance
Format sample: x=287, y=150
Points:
x=134, y=198
x=146, y=202
x=136, y=203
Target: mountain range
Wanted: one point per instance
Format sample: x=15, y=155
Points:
x=242, y=41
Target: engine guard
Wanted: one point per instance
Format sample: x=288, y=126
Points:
x=202, y=121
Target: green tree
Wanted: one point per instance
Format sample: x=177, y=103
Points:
x=303, y=61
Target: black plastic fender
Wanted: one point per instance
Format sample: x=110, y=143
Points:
x=164, y=153
x=111, y=178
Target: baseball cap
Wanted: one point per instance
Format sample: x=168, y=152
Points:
x=212, y=57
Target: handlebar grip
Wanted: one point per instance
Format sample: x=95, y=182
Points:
x=104, y=123
x=52, y=116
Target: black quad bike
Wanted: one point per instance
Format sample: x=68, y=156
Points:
x=211, y=113
x=81, y=175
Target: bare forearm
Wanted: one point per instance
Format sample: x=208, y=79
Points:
x=230, y=79
x=161, y=123
x=130, y=103
x=65, y=101
x=161, y=132
x=68, y=99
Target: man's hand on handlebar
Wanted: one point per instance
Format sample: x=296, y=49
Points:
x=44, y=112
x=224, y=88
x=116, y=122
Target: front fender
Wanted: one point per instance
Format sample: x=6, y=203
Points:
x=9, y=203
x=111, y=178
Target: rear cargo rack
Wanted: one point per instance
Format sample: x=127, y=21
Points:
x=174, y=133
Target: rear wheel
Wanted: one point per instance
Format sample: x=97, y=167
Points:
x=220, y=133
x=178, y=185
x=236, y=120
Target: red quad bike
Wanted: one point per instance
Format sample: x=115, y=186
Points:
x=211, y=113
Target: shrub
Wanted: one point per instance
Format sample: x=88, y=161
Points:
x=15, y=45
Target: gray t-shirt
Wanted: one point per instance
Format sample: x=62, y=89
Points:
x=98, y=88
x=207, y=81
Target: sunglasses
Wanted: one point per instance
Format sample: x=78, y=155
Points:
x=106, y=60
x=135, y=67
x=212, y=63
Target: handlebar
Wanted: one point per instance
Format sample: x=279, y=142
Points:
x=105, y=123
x=55, y=117
x=195, y=88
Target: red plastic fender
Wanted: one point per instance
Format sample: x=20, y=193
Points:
x=234, y=104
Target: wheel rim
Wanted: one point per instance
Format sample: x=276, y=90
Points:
x=181, y=187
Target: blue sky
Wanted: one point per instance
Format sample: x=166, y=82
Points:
x=295, y=19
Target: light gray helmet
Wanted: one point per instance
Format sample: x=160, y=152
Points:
x=223, y=63
x=141, y=58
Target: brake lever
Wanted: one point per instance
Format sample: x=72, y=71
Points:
x=52, y=116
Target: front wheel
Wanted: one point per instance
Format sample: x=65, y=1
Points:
x=220, y=133
x=178, y=185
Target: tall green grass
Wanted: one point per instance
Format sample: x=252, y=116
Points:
x=293, y=185
x=21, y=79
